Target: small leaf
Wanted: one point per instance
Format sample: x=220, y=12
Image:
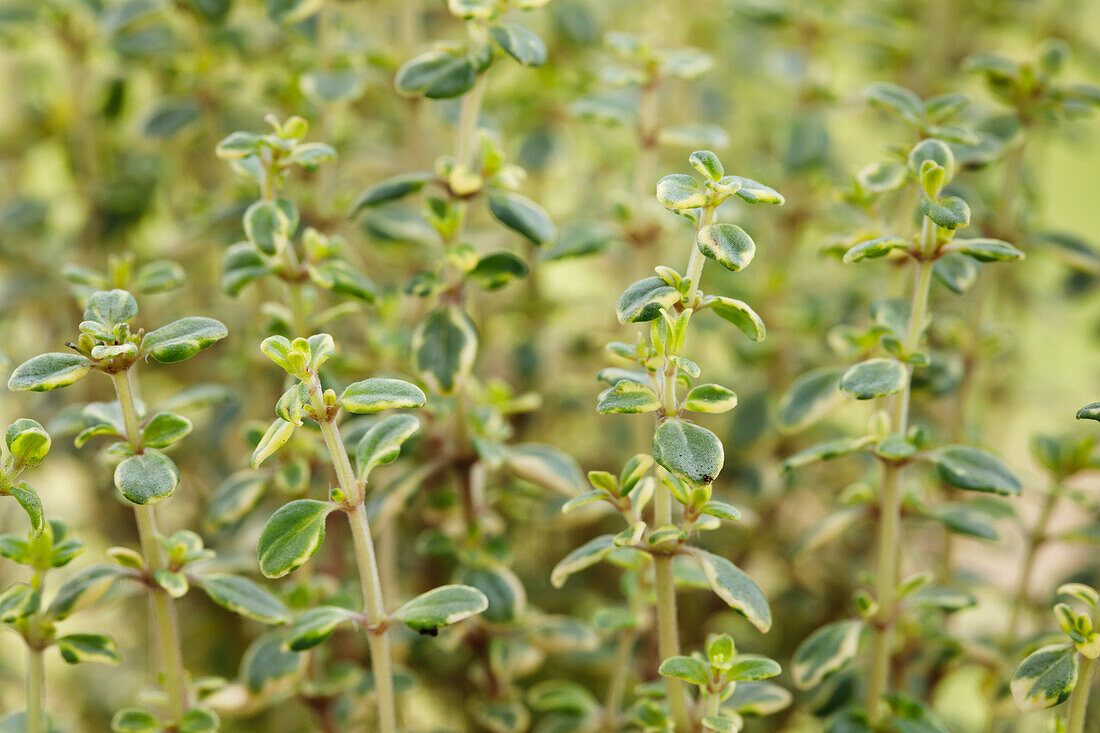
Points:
x=147, y=478
x=182, y=339
x=810, y=398
x=644, y=300
x=721, y=509
x=583, y=557
x=109, y=308
x=897, y=99
x=1045, y=678
x=824, y=652
x=241, y=264
x=1089, y=412
x=736, y=588
x=679, y=192
x=391, y=189
x=985, y=250
x=688, y=451
x=826, y=450
x=84, y=588
x=951, y=213
x=28, y=442
x=521, y=44
x=758, y=698
x=197, y=720
x=628, y=398
x=546, y=466
x=174, y=584
x=750, y=191
x=444, y=347
x=752, y=667
x=28, y=499
x=974, y=469
x=18, y=601
x=873, y=248
x=343, y=279
x=494, y=271
x=164, y=429
x=437, y=75
x=278, y=433
x=242, y=596
x=79, y=648
x=522, y=216
x=707, y=163
x=738, y=313
x=440, y=607
x=377, y=394
x=292, y=536
x=159, y=276
x=502, y=587
x=956, y=271
x=874, y=378
x=688, y=669
x=709, y=398
x=382, y=443
x=132, y=720
x=316, y=625
x=727, y=244
x=48, y=371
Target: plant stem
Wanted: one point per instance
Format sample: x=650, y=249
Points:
x=1079, y=698
x=616, y=683
x=468, y=116
x=373, y=603
x=164, y=612
x=1035, y=540
x=36, y=684
x=889, y=540
x=668, y=632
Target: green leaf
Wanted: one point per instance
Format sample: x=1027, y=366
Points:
x=758, y=698
x=810, y=398
x=750, y=191
x=985, y=250
x=583, y=557
x=688, y=669
x=440, y=607
x=291, y=406
x=824, y=652
x=737, y=589
x=28, y=442
x=882, y=177
x=645, y=299
x=174, y=583
x=546, y=466
x=707, y=163
x=18, y=601
x=182, y=339
x=444, y=346
x=722, y=723
x=874, y=378
x=343, y=279
x=391, y=189
x=278, y=433
x=679, y=192
x=79, y=648
x=267, y=223
x=897, y=99
x=974, y=469
x=951, y=213
x=825, y=451
x=934, y=150
x=292, y=536
x=382, y=443
x=377, y=394
x=690, y=452
x=159, y=276
x=494, y=271
x=502, y=587
x=164, y=429
x=727, y=244
x=709, y=398
x=437, y=75
x=147, y=478
x=197, y=720
x=523, y=216
x=629, y=398
x=241, y=264
x=873, y=248
x=238, y=145
x=752, y=667
x=242, y=596
x=721, y=509
x=84, y=588
x=561, y=696
x=48, y=371
x=109, y=308
x=521, y=44
x=1089, y=412
x=132, y=720
x=956, y=271
x=316, y=625
x=1045, y=678
x=267, y=664
x=32, y=505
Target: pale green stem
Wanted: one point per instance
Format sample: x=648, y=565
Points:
x=713, y=701
x=616, y=683
x=468, y=116
x=1079, y=698
x=164, y=612
x=373, y=603
x=668, y=632
x=1035, y=539
x=36, y=685
x=889, y=540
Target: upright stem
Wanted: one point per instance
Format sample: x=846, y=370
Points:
x=616, y=684
x=1035, y=539
x=36, y=685
x=668, y=631
x=468, y=116
x=1079, y=698
x=889, y=540
x=164, y=612
x=373, y=604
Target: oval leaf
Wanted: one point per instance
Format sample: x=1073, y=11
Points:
x=292, y=536
x=147, y=477
x=688, y=451
x=440, y=607
x=182, y=339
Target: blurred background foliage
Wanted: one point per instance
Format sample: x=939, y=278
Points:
x=112, y=110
